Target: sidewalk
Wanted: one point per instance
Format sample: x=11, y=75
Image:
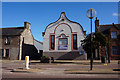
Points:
x=31, y=70
x=94, y=71
x=73, y=70
x=112, y=61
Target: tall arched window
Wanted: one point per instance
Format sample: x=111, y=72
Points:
x=74, y=41
x=52, y=42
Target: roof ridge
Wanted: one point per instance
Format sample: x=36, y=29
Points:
x=38, y=41
x=12, y=28
x=108, y=24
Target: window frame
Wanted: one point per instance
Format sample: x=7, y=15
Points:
x=50, y=48
x=2, y=52
x=73, y=42
x=115, y=50
x=7, y=56
x=63, y=44
x=112, y=36
x=7, y=40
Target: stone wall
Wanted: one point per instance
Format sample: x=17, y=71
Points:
x=13, y=47
x=27, y=47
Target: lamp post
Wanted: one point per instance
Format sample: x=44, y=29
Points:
x=91, y=13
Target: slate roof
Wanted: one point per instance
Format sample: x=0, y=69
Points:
x=38, y=44
x=38, y=41
x=11, y=31
x=106, y=27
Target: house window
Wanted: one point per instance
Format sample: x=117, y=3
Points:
x=2, y=52
x=114, y=35
x=52, y=42
x=7, y=53
x=63, y=41
x=7, y=41
x=74, y=41
x=115, y=50
x=63, y=44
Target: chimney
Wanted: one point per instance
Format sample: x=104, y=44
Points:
x=96, y=25
x=27, y=25
x=84, y=33
x=113, y=24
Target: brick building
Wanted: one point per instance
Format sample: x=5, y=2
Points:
x=112, y=32
x=17, y=42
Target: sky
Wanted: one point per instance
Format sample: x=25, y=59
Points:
x=41, y=14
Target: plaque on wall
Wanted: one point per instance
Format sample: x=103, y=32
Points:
x=62, y=47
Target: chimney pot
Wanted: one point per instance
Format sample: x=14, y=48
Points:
x=113, y=23
x=27, y=25
x=96, y=18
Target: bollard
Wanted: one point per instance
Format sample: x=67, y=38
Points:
x=50, y=60
x=27, y=62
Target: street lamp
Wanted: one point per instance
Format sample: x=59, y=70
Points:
x=91, y=13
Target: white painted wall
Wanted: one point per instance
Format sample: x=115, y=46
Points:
x=67, y=31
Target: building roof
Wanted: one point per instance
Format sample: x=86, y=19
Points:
x=106, y=27
x=38, y=45
x=11, y=31
x=38, y=41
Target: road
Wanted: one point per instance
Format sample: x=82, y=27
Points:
x=53, y=71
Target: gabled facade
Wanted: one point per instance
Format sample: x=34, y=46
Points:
x=62, y=39
x=17, y=42
x=112, y=32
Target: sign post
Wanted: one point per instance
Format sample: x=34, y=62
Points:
x=27, y=62
x=91, y=13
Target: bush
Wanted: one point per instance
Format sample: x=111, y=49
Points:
x=45, y=59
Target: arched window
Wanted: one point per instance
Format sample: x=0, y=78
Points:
x=52, y=42
x=74, y=41
x=63, y=42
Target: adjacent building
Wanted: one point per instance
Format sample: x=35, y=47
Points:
x=17, y=42
x=39, y=47
x=112, y=32
x=62, y=39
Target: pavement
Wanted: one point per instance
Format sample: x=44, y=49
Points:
x=72, y=71
x=60, y=69
x=94, y=71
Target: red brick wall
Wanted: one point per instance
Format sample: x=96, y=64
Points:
x=114, y=42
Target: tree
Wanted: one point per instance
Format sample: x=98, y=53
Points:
x=99, y=39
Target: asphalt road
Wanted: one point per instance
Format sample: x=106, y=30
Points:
x=54, y=71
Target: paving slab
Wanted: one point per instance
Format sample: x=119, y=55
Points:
x=94, y=71
x=30, y=70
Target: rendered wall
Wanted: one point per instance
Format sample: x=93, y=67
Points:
x=66, y=27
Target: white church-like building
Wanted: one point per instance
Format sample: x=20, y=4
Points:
x=62, y=40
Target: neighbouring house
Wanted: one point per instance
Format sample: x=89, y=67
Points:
x=112, y=32
x=62, y=39
x=17, y=42
x=39, y=47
